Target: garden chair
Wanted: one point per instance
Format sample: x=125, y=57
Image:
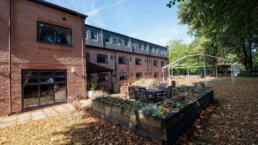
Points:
x=144, y=95
x=133, y=94
x=167, y=94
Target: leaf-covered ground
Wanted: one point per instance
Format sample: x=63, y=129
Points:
x=231, y=119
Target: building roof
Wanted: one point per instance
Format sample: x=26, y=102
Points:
x=87, y=25
x=48, y=4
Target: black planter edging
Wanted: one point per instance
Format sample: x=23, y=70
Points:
x=160, y=130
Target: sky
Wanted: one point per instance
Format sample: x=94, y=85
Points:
x=148, y=20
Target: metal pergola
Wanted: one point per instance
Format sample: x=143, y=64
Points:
x=176, y=63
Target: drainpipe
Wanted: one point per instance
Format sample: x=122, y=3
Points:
x=84, y=60
x=10, y=58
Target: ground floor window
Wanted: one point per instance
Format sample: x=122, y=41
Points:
x=43, y=87
x=156, y=74
x=103, y=77
x=123, y=76
x=138, y=75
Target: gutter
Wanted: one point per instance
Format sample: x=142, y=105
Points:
x=10, y=57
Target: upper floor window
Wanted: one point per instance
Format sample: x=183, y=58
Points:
x=162, y=63
x=116, y=40
x=155, y=63
x=123, y=76
x=122, y=42
x=138, y=61
x=122, y=60
x=94, y=35
x=54, y=34
x=101, y=58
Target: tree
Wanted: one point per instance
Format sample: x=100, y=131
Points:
x=230, y=24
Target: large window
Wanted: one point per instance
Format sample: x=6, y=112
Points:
x=101, y=58
x=155, y=63
x=138, y=61
x=43, y=87
x=122, y=60
x=123, y=76
x=54, y=34
x=138, y=75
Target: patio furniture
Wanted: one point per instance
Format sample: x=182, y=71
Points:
x=145, y=95
x=133, y=93
x=167, y=94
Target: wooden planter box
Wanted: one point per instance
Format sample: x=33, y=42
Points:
x=160, y=130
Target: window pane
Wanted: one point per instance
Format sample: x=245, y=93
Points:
x=102, y=58
x=46, y=33
x=29, y=81
x=30, y=73
x=46, y=94
x=94, y=35
x=47, y=80
x=123, y=76
x=46, y=73
x=60, y=73
x=60, y=79
x=63, y=36
x=30, y=96
x=60, y=92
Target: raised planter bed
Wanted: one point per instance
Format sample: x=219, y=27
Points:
x=162, y=130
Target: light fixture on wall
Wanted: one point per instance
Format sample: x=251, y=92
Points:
x=72, y=70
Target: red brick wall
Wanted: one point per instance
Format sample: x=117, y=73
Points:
x=129, y=68
x=4, y=80
x=27, y=53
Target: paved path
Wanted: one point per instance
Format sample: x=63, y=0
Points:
x=38, y=114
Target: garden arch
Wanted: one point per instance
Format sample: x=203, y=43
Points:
x=169, y=67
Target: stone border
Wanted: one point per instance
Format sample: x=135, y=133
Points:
x=160, y=130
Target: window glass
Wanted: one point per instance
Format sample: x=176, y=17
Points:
x=162, y=63
x=63, y=36
x=138, y=61
x=54, y=34
x=116, y=40
x=138, y=75
x=60, y=92
x=94, y=35
x=156, y=74
x=88, y=57
x=101, y=58
x=155, y=63
x=122, y=60
x=123, y=76
x=30, y=96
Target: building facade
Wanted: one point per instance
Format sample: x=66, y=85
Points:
x=128, y=58
x=41, y=55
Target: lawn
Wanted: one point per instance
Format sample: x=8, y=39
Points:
x=231, y=119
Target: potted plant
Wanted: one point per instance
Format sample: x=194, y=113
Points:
x=91, y=88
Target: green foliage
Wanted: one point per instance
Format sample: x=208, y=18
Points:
x=132, y=105
x=160, y=111
x=91, y=86
x=229, y=25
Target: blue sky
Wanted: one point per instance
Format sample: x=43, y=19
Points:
x=148, y=20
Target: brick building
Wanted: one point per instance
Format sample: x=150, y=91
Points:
x=41, y=55
x=128, y=58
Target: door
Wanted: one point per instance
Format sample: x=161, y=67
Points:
x=43, y=87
